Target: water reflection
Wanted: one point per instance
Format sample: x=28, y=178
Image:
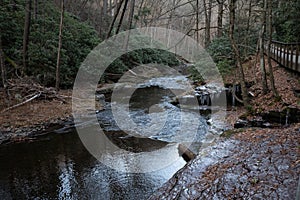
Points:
x=59, y=167
x=66, y=177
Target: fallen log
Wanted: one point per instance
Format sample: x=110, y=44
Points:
x=186, y=153
x=23, y=103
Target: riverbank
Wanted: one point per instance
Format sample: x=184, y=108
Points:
x=253, y=163
x=37, y=117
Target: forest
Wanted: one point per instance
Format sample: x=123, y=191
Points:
x=248, y=147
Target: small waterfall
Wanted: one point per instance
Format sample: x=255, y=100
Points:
x=202, y=99
x=212, y=97
x=233, y=95
x=208, y=100
x=287, y=117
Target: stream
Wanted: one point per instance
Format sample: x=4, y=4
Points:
x=58, y=166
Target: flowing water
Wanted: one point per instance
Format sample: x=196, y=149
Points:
x=57, y=166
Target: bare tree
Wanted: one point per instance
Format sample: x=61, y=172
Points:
x=122, y=17
x=114, y=19
x=130, y=19
x=3, y=72
x=232, y=8
x=26, y=35
x=131, y=15
x=262, y=51
x=197, y=20
x=2, y=65
x=220, y=17
x=207, y=12
x=59, y=45
x=269, y=25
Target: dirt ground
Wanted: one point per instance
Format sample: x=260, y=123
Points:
x=33, y=113
x=286, y=84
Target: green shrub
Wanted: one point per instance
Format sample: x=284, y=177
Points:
x=222, y=54
x=77, y=41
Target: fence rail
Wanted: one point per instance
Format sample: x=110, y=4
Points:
x=286, y=54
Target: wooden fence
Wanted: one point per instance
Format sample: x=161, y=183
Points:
x=286, y=54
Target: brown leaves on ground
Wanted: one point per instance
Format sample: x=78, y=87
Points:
x=50, y=105
x=256, y=135
x=285, y=83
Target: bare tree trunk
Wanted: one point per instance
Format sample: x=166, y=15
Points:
x=130, y=19
x=103, y=24
x=207, y=11
x=3, y=71
x=232, y=7
x=26, y=35
x=59, y=45
x=105, y=7
x=197, y=21
x=247, y=40
x=269, y=25
x=262, y=52
x=115, y=19
x=122, y=17
x=220, y=17
x=110, y=8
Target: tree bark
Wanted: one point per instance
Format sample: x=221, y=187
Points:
x=207, y=12
x=110, y=8
x=59, y=45
x=232, y=7
x=131, y=15
x=3, y=73
x=269, y=25
x=262, y=52
x=220, y=17
x=103, y=20
x=115, y=19
x=130, y=20
x=122, y=17
x=197, y=21
x=3, y=70
x=247, y=39
x=26, y=35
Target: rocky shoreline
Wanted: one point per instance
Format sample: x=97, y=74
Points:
x=253, y=164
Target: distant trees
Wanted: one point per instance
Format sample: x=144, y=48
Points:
x=33, y=42
x=286, y=20
x=41, y=47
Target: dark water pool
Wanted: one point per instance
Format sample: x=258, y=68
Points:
x=59, y=167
